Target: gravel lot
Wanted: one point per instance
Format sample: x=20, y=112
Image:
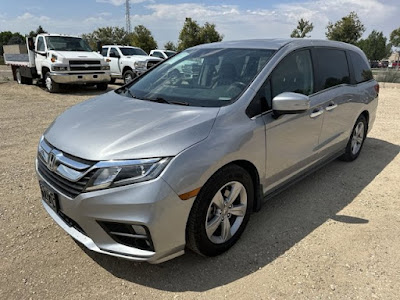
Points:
x=333, y=235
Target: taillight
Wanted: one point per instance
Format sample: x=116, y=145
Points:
x=377, y=88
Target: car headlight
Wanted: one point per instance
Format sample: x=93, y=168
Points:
x=107, y=67
x=140, y=64
x=59, y=68
x=119, y=173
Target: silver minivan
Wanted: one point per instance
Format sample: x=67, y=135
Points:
x=183, y=155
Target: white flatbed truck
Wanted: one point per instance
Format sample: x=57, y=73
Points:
x=57, y=60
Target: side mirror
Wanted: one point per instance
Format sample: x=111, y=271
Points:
x=290, y=103
x=31, y=44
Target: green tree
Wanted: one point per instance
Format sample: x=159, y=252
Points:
x=16, y=38
x=395, y=37
x=208, y=34
x=170, y=46
x=107, y=36
x=193, y=34
x=303, y=28
x=39, y=30
x=349, y=29
x=375, y=46
x=189, y=35
x=5, y=36
x=141, y=37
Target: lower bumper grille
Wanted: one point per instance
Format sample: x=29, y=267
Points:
x=136, y=236
x=71, y=223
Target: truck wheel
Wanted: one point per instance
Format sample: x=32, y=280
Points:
x=51, y=86
x=18, y=76
x=102, y=86
x=128, y=76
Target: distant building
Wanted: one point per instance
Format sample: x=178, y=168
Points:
x=394, y=56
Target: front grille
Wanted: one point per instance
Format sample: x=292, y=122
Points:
x=84, y=62
x=68, y=188
x=84, y=65
x=151, y=63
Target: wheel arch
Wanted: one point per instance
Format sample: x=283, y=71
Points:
x=365, y=113
x=126, y=68
x=44, y=71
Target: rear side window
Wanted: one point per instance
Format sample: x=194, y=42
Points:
x=362, y=72
x=293, y=74
x=104, y=51
x=332, y=68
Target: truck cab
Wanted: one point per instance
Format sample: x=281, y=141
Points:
x=127, y=62
x=57, y=60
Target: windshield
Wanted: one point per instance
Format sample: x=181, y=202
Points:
x=66, y=43
x=132, y=51
x=201, y=77
x=170, y=53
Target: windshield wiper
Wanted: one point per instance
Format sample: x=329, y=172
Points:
x=163, y=100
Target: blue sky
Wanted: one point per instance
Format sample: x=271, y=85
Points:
x=234, y=19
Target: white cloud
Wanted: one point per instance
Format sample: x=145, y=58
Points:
x=120, y=2
x=166, y=20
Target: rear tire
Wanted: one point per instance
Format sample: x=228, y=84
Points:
x=220, y=212
x=102, y=86
x=22, y=79
x=51, y=86
x=356, y=141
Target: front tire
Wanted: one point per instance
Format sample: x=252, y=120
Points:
x=51, y=86
x=221, y=211
x=128, y=76
x=356, y=140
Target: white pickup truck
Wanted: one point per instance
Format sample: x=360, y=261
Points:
x=127, y=62
x=57, y=59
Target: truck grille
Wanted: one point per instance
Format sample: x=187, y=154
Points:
x=151, y=63
x=68, y=188
x=84, y=65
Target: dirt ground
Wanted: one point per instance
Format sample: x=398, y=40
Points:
x=334, y=235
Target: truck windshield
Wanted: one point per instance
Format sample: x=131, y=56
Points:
x=132, y=51
x=170, y=53
x=66, y=43
x=200, y=77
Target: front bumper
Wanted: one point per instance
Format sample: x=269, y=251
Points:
x=80, y=78
x=152, y=204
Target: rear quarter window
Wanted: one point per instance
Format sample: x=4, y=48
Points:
x=333, y=68
x=362, y=71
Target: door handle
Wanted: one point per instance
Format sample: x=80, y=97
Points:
x=331, y=106
x=316, y=113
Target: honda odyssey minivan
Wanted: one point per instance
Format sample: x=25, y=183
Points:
x=181, y=156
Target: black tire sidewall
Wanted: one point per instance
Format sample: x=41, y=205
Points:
x=349, y=154
x=198, y=239
x=128, y=72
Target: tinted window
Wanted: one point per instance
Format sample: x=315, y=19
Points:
x=114, y=52
x=40, y=44
x=293, y=74
x=127, y=51
x=157, y=54
x=104, y=51
x=332, y=68
x=362, y=72
x=262, y=102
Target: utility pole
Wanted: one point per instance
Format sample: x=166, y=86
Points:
x=127, y=17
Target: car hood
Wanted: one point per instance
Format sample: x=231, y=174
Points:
x=77, y=54
x=142, y=57
x=112, y=126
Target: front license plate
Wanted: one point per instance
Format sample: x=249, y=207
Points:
x=49, y=196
